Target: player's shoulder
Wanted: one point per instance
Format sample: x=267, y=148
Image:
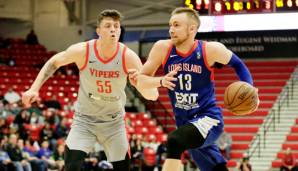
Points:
x=128, y=51
x=217, y=52
x=160, y=49
x=77, y=52
x=78, y=47
x=213, y=46
x=163, y=44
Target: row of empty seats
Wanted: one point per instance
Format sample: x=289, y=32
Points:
x=142, y=125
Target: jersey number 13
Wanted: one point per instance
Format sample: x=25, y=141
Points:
x=185, y=81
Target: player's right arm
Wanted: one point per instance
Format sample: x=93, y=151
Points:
x=156, y=56
x=217, y=52
x=74, y=54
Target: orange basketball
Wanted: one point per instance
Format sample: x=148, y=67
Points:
x=241, y=98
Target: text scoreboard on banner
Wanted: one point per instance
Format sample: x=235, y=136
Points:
x=225, y=7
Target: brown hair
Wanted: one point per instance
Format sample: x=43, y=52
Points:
x=192, y=14
x=114, y=14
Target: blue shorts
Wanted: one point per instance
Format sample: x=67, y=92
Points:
x=208, y=155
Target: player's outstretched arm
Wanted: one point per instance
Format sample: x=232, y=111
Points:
x=217, y=52
x=134, y=65
x=73, y=54
x=154, y=61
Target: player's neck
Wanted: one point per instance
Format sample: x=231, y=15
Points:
x=185, y=46
x=106, y=49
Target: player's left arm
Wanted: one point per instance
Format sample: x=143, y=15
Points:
x=134, y=65
x=217, y=53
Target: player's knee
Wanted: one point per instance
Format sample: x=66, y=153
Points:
x=74, y=159
x=175, y=146
x=173, y=140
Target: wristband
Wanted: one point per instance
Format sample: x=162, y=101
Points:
x=160, y=82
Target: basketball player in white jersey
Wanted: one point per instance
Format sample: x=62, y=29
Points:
x=104, y=65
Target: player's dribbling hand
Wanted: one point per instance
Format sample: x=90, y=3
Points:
x=132, y=76
x=167, y=80
x=29, y=97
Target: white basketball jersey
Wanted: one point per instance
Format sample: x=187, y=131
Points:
x=102, y=84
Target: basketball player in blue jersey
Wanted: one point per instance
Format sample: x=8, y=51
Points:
x=104, y=66
x=188, y=65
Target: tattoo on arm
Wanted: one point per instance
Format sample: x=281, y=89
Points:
x=50, y=69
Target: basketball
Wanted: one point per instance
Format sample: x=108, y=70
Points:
x=241, y=98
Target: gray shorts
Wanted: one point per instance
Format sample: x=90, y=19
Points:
x=86, y=130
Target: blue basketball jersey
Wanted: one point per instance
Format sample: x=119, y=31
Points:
x=194, y=94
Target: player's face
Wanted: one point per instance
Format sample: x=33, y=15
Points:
x=109, y=30
x=179, y=28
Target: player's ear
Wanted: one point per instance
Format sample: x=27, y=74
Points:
x=193, y=28
x=97, y=30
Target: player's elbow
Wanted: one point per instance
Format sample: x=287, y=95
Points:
x=150, y=94
x=153, y=97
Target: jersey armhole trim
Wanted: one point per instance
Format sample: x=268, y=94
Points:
x=167, y=56
x=205, y=61
x=123, y=60
x=86, y=57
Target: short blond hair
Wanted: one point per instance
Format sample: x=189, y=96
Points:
x=192, y=14
x=112, y=13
